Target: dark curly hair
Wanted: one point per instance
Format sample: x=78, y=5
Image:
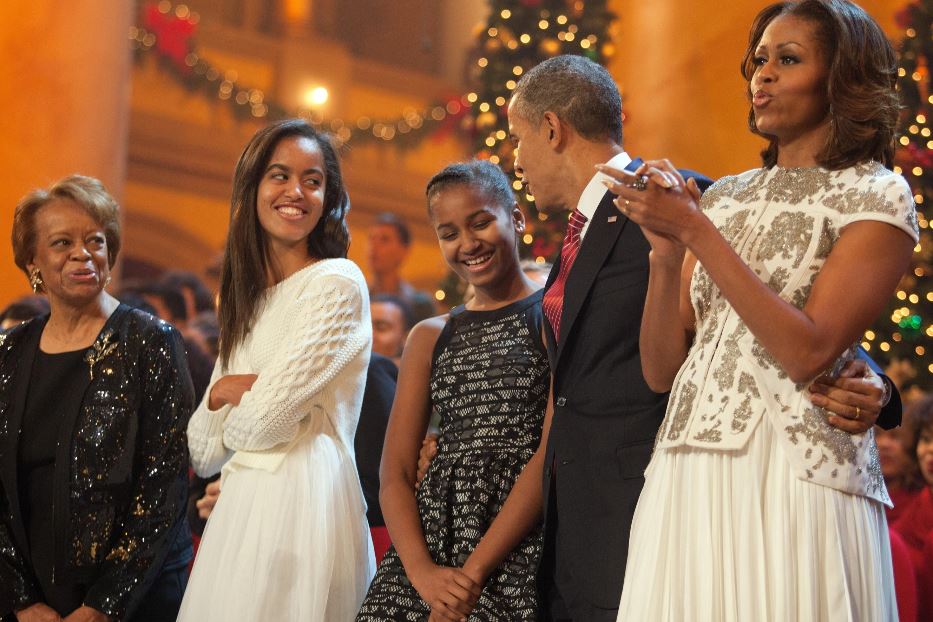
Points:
x=863, y=104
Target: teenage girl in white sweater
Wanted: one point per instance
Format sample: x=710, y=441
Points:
x=288, y=538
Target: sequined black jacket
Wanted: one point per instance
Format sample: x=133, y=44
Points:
x=121, y=469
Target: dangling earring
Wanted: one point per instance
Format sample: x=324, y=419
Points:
x=107, y=281
x=35, y=279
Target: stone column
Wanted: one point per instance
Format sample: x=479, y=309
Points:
x=64, y=103
x=296, y=16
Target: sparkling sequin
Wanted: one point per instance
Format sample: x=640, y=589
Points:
x=797, y=186
x=126, y=479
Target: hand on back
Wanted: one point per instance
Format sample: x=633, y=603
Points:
x=853, y=398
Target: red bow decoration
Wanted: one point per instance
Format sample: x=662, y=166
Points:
x=173, y=34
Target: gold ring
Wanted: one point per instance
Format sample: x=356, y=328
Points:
x=858, y=413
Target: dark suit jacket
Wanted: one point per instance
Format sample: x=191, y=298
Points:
x=371, y=431
x=891, y=413
x=605, y=416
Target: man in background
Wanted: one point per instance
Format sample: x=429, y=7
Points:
x=389, y=244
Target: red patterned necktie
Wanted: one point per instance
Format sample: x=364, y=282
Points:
x=553, y=302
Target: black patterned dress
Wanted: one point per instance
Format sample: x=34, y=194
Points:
x=489, y=384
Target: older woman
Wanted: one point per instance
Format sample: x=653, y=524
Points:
x=94, y=400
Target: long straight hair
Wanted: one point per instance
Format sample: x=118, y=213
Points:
x=247, y=261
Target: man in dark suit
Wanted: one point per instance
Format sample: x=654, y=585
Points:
x=565, y=117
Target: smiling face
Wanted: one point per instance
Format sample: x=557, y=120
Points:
x=477, y=237
x=70, y=253
x=537, y=163
x=788, y=86
x=290, y=198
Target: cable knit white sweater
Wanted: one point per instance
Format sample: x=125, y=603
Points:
x=310, y=349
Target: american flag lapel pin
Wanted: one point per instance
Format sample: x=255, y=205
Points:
x=612, y=219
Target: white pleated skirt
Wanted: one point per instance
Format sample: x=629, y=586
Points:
x=735, y=536
x=286, y=545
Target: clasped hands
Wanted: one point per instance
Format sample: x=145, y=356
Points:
x=657, y=198
x=451, y=593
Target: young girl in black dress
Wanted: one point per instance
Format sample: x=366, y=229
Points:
x=467, y=542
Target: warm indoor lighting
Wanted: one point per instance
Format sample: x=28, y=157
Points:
x=316, y=96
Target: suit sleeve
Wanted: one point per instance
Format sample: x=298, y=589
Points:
x=892, y=412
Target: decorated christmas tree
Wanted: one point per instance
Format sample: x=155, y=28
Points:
x=518, y=35
x=902, y=333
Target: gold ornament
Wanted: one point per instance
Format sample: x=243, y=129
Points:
x=485, y=120
x=550, y=47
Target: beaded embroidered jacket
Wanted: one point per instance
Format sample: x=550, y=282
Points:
x=783, y=223
x=121, y=466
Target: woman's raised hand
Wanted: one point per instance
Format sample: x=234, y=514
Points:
x=657, y=198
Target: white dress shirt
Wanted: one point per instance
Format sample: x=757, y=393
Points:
x=594, y=191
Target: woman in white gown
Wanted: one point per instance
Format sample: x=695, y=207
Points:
x=754, y=507
x=288, y=538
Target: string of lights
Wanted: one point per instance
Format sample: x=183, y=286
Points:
x=902, y=334
x=168, y=30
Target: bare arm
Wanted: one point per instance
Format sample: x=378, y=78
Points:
x=664, y=346
x=449, y=592
x=803, y=341
x=806, y=341
x=407, y=424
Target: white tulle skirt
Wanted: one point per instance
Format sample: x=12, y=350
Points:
x=735, y=536
x=287, y=545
